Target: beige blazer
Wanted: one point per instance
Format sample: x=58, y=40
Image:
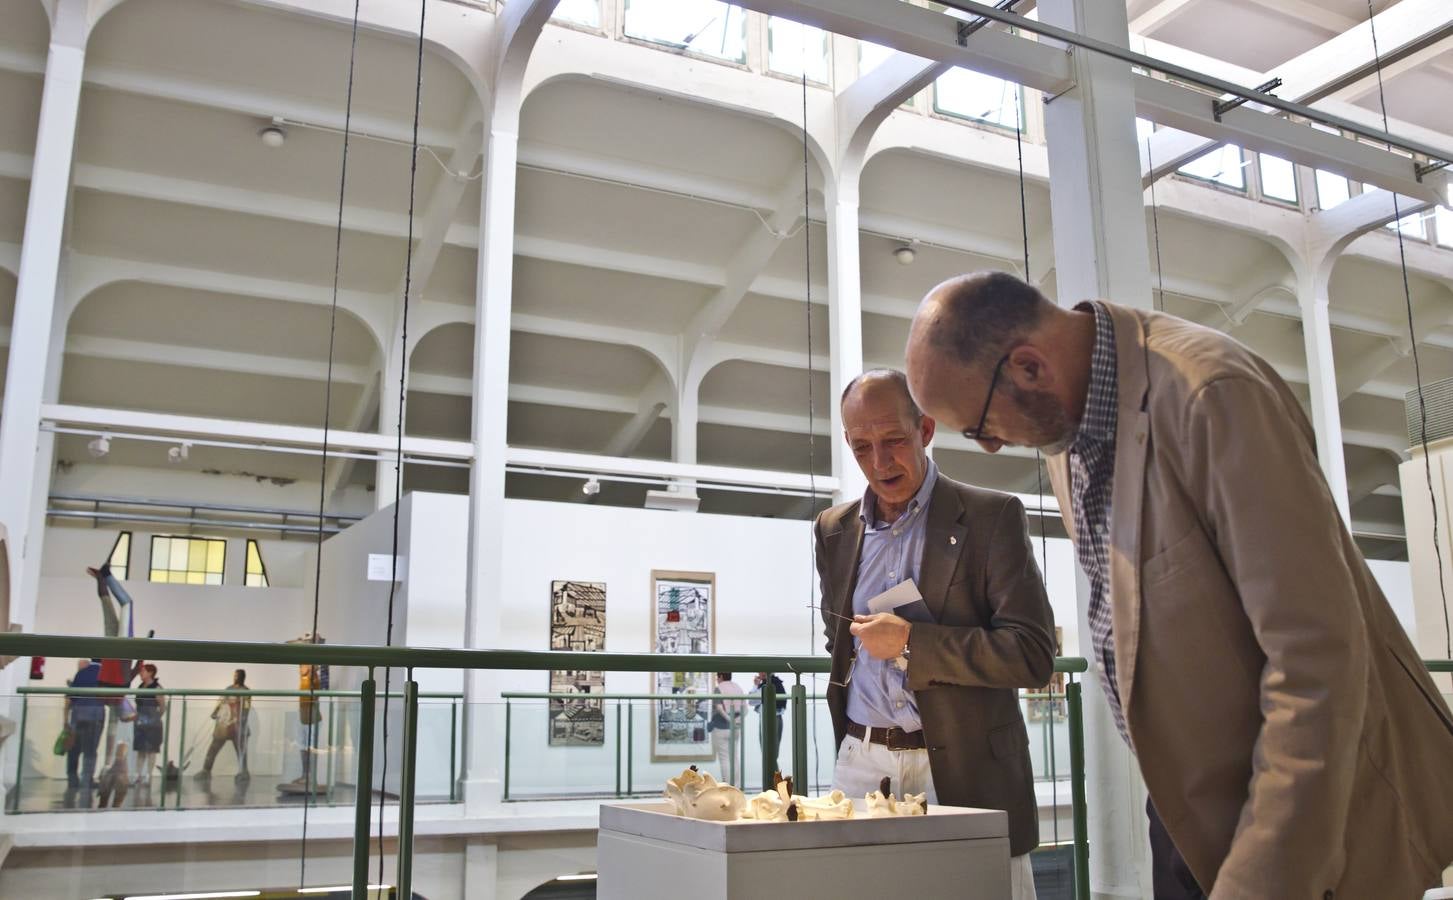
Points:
x=1289, y=735
x=993, y=632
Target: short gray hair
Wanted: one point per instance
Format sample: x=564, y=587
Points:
x=897, y=378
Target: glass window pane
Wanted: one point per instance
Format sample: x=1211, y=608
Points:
x=1443, y=222
x=962, y=92
x=1412, y=225
x=581, y=12
x=196, y=578
x=121, y=555
x=161, y=549
x=1278, y=178
x=871, y=55
x=702, y=26
x=792, y=45
x=216, y=553
x=158, y=575
x=1222, y=165
x=197, y=556
x=1332, y=190
x=213, y=578
x=180, y=547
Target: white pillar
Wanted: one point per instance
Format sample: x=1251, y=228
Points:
x=386, y=478
x=491, y=408
x=1100, y=251
x=35, y=302
x=845, y=321
x=1312, y=293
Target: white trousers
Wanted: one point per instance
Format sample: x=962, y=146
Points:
x=724, y=745
x=861, y=767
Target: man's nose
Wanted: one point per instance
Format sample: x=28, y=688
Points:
x=882, y=459
x=992, y=445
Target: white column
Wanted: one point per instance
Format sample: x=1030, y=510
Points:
x=35, y=304
x=845, y=321
x=1312, y=294
x=487, y=472
x=1100, y=251
x=385, y=478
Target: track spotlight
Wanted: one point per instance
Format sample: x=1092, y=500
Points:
x=179, y=453
x=100, y=446
x=904, y=255
x=273, y=135
x=591, y=487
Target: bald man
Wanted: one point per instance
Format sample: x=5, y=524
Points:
x=1293, y=744
x=926, y=695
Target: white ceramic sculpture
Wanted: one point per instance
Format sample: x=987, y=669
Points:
x=883, y=806
x=767, y=806
x=835, y=805
x=696, y=795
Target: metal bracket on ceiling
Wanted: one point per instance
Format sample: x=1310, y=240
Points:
x=1429, y=167
x=1220, y=107
x=966, y=29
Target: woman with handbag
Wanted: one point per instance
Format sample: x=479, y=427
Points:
x=150, y=709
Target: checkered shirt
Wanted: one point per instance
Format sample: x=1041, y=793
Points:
x=1092, y=475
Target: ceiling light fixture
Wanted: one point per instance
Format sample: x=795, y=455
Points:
x=905, y=255
x=100, y=446
x=591, y=487
x=179, y=453
x=274, y=135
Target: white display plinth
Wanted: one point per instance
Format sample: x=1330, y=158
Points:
x=646, y=852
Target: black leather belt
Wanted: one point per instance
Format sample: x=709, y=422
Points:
x=893, y=738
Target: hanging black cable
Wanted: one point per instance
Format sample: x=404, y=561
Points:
x=1413, y=342
x=399, y=430
x=309, y=771
x=811, y=407
x=1038, y=458
x=1159, y=297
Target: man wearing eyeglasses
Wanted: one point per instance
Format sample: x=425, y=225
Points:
x=1292, y=742
x=926, y=694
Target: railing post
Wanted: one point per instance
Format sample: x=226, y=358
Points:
x=507, y=751
x=363, y=791
x=332, y=747
x=407, y=786
x=630, y=745
x=453, y=746
x=799, y=737
x=618, y=750
x=166, y=746
x=20, y=751
x=769, y=731
x=181, y=751
x=1077, y=790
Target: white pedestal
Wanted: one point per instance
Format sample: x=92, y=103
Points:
x=645, y=852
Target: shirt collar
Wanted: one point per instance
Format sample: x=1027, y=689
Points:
x=868, y=510
x=1098, y=421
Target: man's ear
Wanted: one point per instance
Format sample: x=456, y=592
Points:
x=1028, y=368
x=926, y=429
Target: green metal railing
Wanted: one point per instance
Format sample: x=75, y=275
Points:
x=624, y=700
x=26, y=692
x=411, y=658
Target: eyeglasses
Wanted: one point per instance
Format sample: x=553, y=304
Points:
x=977, y=432
x=848, y=678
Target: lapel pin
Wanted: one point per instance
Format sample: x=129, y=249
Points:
x=952, y=539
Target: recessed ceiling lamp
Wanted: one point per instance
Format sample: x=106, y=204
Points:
x=100, y=446
x=905, y=255
x=273, y=135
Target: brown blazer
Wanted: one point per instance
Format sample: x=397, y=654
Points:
x=994, y=634
x=1290, y=737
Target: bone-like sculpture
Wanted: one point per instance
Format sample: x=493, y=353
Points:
x=696, y=795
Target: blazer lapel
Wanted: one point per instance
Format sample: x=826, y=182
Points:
x=1132, y=439
x=943, y=543
x=845, y=545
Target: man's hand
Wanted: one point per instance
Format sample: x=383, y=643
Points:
x=883, y=635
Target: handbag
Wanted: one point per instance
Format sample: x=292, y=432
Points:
x=64, y=741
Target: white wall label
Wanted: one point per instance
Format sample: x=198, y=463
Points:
x=381, y=567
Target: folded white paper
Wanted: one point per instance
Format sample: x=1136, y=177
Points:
x=900, y=594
